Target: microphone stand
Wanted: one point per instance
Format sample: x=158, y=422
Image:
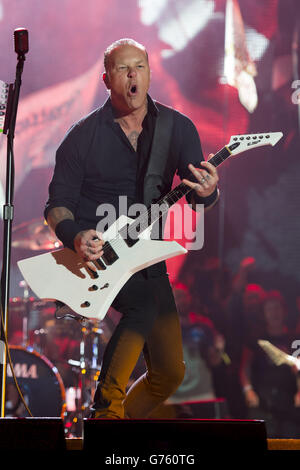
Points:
x=8, y=214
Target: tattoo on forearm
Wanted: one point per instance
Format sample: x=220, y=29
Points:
x=57, y=214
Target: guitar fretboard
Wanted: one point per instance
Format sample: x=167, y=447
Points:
x=155, y=212
x=220, y=157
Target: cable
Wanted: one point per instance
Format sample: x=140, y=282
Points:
x=11, y=365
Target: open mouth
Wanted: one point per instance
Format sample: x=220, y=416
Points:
x=133, y=90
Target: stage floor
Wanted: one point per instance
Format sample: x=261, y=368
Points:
x=273, y=444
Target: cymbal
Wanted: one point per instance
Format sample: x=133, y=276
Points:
x=34, y=235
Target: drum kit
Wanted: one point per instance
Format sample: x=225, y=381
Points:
x=56, y=360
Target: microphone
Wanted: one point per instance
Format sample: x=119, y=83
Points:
x=21, y=41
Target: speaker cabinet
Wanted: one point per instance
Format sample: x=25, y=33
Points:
x=28, y=434
x=177, y=436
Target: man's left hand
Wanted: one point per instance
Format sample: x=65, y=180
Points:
x=207, y=179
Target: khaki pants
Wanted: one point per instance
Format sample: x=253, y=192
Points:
x=150, y=324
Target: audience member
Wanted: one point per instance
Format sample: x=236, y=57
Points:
x=203, y=349
x=242, y=314
x=272, y=392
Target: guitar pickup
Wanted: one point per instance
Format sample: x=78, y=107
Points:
x=127, y=238
x=109, y=256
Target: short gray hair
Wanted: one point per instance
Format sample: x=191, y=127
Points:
x=118, y=43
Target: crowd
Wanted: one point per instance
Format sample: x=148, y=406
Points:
x=223, y=320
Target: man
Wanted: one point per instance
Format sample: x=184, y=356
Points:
x=103, y=156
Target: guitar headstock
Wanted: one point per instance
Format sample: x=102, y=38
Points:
x=241, y=143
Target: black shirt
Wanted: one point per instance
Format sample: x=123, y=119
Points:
x=96, y=163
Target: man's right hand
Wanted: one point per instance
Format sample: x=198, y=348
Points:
x=89, y=245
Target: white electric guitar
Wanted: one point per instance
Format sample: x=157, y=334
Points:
x=278, y=356
x=62, y=275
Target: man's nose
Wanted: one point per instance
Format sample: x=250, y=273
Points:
x=131, y=72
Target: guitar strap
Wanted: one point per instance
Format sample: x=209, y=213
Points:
x=159, y=153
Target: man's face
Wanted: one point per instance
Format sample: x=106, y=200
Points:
x=128, y=78
x=273, y=312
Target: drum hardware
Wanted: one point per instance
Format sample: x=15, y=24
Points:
x=19, y=308
x=31, y=323
x=30, y=309
x=26, y=321
x=38, y=324
x=27, y=327
x=88, y=371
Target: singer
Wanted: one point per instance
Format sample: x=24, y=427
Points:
x=103, y=156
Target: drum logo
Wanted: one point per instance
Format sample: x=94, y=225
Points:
x=23, y=371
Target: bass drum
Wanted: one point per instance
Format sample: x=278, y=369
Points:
x=40, y=383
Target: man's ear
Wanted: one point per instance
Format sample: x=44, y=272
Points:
x=105, y=79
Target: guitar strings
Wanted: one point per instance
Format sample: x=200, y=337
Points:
x=117, y=241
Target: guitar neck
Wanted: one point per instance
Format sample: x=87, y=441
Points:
x=182, y=189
